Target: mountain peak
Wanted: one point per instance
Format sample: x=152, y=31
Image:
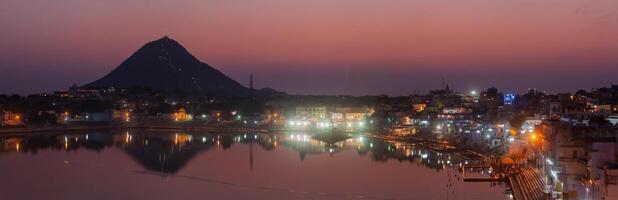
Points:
x=164, y=41
x=164, y=64
x=165, y=38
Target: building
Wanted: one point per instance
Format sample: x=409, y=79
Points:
x=181, y=115
x=577, y=159
x=419, y=107
x=75, y=92
x=11, y=119
x=352, y=113
x=312, y=113
x=509, y=99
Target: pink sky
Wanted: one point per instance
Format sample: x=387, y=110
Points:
x=322, y=46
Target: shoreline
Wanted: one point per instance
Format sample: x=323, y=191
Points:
x=30, y=130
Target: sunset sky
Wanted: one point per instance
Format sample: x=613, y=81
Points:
x=353, y=47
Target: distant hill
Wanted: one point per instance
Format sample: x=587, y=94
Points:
x=164, y=64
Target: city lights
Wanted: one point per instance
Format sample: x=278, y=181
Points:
x=383, y=116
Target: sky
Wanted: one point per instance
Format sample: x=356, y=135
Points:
x=356, y=47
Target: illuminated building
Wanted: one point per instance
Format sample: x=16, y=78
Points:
x=11, y=119
x=419, y=107
x=122, y=116
x=509, y=98
x=578, y=159
x=182, y=115
x=351, y=113
x=312, y=113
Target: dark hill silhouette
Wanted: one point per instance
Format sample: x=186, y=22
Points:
x=161, y=156
x=164, y=64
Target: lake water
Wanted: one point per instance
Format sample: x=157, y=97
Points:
x=163, y=165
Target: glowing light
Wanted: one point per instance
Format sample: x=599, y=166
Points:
x=554, y=174
x=549, y=161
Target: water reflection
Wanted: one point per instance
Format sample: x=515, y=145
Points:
x=170, y=152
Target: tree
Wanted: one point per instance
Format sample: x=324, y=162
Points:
x=517, y=121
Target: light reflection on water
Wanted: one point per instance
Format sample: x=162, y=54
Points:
x=143, y=164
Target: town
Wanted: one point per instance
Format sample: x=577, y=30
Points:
x=558, y=146
x=309, y=99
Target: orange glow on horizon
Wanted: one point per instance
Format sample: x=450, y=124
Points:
x=366, y=40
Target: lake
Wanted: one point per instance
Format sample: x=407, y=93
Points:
x=143, y=164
